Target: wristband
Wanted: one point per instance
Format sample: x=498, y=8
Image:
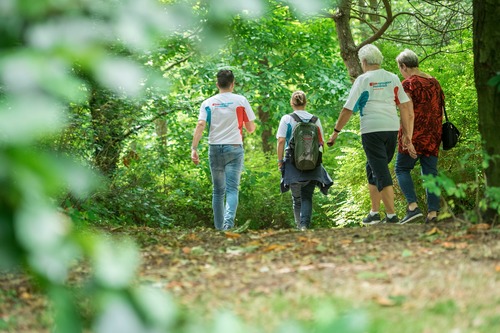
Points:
x=336, y=130
x=193, y=148
x=280, y=161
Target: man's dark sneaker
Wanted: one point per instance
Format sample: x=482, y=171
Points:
x=393, y=219
x=411, y=215
x=372, y=219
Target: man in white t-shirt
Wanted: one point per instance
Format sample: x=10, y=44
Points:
x=226, y=115
x=376, y=95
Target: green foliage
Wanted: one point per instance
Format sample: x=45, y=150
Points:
x=260, y=197
x=469, y=196
x=74, y=78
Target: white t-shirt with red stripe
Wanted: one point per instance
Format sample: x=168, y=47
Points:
x=228, y=112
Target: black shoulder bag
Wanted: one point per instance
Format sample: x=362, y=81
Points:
x=450, y=134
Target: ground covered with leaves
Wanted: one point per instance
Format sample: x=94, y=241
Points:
x=443, y=277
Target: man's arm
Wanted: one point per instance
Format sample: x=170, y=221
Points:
x=250, y=126
x=198, y=133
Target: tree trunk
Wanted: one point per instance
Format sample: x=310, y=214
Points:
x=266, y=131
x=108, y=134
x=348, y=49
x=487, y=66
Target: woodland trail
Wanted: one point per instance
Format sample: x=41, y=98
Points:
x=269, y=276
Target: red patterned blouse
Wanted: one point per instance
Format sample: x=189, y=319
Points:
x=427, y=97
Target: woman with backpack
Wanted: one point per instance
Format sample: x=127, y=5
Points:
x=299, y=149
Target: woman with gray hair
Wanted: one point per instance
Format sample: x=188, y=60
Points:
x=427, y=98
x=378, y=94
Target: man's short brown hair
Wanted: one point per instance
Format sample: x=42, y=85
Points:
x=225, y=78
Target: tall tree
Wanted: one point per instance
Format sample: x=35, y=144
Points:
x=487, y=80
x=426, y=25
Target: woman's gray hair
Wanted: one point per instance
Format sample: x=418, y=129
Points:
x=371, y=54
x=407, y=58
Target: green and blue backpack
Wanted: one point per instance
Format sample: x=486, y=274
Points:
x=304, y=143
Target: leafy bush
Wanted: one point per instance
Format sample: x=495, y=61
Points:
x=463, y=189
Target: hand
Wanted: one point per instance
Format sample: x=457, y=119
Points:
x=411, y=150
x=332, y=139
x=280, y=165
x=408, y=145
x=194, y=157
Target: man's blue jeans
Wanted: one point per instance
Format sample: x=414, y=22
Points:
x=302, y=194
x=226, y=164
x=403, y=168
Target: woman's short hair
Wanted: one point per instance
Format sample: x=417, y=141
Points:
x=407, y=58
x=225, y=78
x=371, y=54
x=298, y=98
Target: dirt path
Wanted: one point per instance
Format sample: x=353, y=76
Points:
x=410, y=267
x=269, y=276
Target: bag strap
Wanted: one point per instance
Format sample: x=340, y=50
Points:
x=295, y=117
x=313, y=119
x=444, y=107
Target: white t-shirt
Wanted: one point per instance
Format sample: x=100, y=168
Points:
x=375, y=94
x=287, y=123
x=228, y=112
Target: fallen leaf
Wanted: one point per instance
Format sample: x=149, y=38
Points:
x=25, y=295
x=345, y=241
x=232, y=235
x=384, y=301
x=451, y=245
x=163, y=250
x=253, y=243
x=434, y=231
x=193, y=237
x=186, y=250
x=174, y=285
x=308, y=240
x=479, y=227
x=274, y=247
x=497, y=268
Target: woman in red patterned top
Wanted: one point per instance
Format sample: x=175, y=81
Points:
x=427, y=98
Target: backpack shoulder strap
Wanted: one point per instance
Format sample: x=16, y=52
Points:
x=295, y=117
x=313, y=119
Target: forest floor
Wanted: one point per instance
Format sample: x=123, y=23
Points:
x=447, y=273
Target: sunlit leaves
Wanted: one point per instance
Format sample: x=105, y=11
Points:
x=306, y=8
x=117, y=314
x=230, y=8
x=26, y=117
x=120, y=75
x=157, y=306
x=115, y=262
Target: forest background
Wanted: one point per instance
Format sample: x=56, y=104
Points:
x=99, y=102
